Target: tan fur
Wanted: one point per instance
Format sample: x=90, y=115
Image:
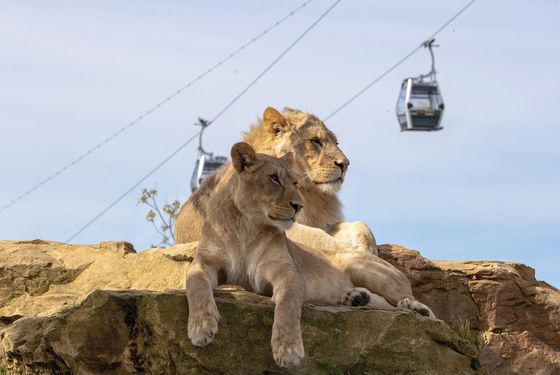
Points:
x=317, y=174
x=319, y=226
x=319, y=178
x=244, y=243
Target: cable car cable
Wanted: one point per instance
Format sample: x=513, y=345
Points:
x=296, y=41
x=154, y=108
x=154, y=170
x=394, y=66
x=220, y=113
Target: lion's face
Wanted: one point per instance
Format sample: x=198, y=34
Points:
x=266, y=191
x=317, y=158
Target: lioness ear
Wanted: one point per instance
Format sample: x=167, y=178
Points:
x=243, y=156
x=274, y=121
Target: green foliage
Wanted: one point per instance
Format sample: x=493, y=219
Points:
x=162, y=219
x=464, y=329
x=3, y=370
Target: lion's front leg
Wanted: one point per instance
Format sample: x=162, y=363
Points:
x=356, y=234
x=315, y=238
x=203, y=312
x=278, y=268
x=287, y=344
x=383, y=279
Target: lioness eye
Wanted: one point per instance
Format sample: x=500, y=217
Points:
x=274, y=178
x=316, y=142
x=295, y=183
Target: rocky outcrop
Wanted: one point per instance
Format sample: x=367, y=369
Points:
x=56, y=319
x=514, y=319
x=93, y=309
x=146, y=332
x=39, y=278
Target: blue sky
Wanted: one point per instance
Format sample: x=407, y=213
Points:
x=486, y=187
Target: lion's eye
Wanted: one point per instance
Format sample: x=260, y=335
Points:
x=295, y=183
x=316, y=142
x=274, y=178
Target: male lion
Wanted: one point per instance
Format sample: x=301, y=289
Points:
x=244, y=243
x=319, y=167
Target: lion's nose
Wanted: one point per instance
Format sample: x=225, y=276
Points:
x=343, y=165
x=296, y=206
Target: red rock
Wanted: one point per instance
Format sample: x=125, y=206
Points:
x=514, y=318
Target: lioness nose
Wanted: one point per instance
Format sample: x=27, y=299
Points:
x=341, y=164
x=296, y=206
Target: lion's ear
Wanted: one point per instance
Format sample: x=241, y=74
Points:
x=243, y=156
x=295, y=117
x=274, y=121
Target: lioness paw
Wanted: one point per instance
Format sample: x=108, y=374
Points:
x=363, y=297
x=202, y=328
x=420, y=308
x=355, y=297
x=288, y=350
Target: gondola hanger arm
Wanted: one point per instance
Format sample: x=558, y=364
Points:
x=203, y=124
x=430, y=43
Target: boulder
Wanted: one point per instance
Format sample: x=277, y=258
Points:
x=128, y=332
x=92, y=309
x=514, y=319
x=39, y=278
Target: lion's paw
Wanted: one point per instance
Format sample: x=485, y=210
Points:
x=203, y=328
x=287, y=349
x=355, y=297
x=420, y=308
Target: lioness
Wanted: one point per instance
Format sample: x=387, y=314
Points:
x=243, y=242
x=319, y=167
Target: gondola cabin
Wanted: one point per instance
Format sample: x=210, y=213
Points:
x=204, y=167
x=420, y=105
x=206, y=162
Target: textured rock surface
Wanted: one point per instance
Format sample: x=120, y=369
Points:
x=38, y=278
x=45, y=324
x=145, y=332
x=514, y=318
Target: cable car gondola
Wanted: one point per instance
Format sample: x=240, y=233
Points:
x=206, y=162
x=420, y=104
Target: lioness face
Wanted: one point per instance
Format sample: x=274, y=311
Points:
x=317, y=158
x=267, y=190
